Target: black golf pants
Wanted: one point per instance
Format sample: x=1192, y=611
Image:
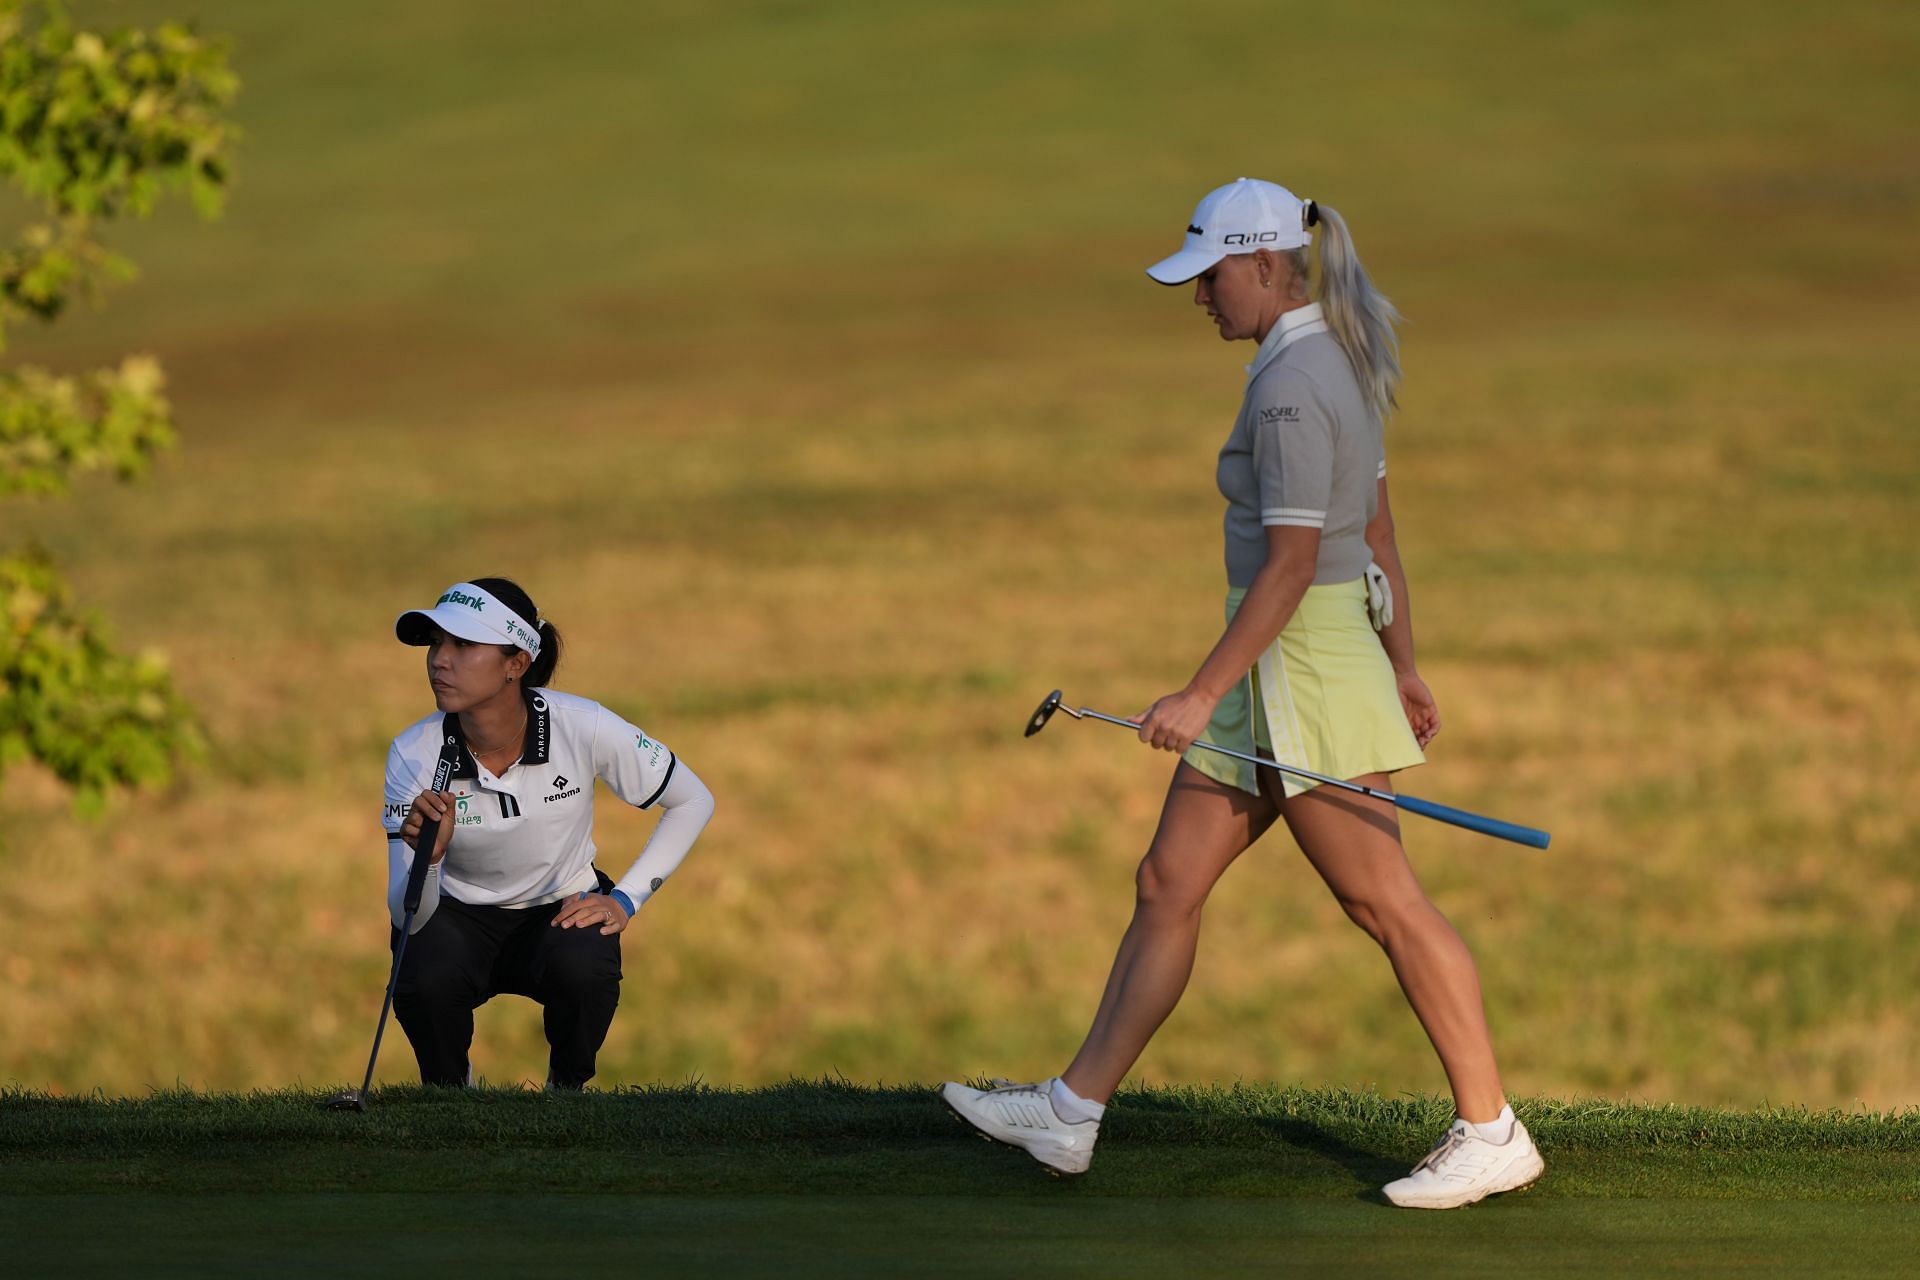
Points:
x=464, y=956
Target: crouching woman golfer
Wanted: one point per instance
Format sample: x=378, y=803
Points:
x=1299, y=676
x=513, y=902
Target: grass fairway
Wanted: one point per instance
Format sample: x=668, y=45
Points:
x=822, y=1179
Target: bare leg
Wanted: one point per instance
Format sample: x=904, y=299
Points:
x=1353, y=841
x=1204, y=826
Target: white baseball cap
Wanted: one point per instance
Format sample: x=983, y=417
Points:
x=1244, y=215
x=471, y=613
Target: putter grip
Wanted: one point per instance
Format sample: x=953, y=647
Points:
x=422, y=859
x=1474, y=822
x=429, y=827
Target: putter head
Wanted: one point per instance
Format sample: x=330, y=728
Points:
x=1043, y=713
x=348, y=1101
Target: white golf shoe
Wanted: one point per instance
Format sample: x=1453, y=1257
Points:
x=1464, y=1167
x=1022, y=1115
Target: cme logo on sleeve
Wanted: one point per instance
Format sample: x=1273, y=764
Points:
x=649, y=748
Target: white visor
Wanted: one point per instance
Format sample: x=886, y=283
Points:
x=471, y=613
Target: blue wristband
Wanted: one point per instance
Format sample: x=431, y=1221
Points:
x=620, y=896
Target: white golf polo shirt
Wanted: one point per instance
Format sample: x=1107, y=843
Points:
x=525, y=838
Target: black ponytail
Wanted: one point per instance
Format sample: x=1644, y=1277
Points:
x=509, y=593
x=542, y=669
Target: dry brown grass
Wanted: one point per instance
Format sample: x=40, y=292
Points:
x=842, y=622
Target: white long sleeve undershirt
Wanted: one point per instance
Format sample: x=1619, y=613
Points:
x=399, y=862
x=689, y=807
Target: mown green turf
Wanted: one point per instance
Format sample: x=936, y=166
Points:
x=960, y=1235
x=832, y=1178
x=836, y=1137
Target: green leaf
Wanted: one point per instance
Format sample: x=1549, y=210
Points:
x=52, y=428
x=96, y=718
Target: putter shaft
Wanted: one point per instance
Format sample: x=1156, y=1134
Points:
x=1090, y=714
x=1495, y=827
x=386, y=1005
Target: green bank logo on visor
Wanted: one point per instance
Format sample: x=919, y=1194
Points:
x=471, y=613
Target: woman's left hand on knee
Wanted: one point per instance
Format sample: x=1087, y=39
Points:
x=590, y=909
x=1173, y=722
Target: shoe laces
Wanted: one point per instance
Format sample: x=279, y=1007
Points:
x=1022, y=1090
x=1449, y=1140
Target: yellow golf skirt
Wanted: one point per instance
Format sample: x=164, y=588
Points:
x=1322, y=697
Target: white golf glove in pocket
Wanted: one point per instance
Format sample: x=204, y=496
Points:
x=1379, y=598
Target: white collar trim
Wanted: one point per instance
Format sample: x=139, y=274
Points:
x=1290, y=328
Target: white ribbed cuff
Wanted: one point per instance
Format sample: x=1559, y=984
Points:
x=1304, y=517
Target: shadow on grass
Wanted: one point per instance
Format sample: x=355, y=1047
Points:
x=826, y=1134
x=1370, y=1168
x=1202, y=1119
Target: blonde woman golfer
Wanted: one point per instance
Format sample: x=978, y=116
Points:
x=1315, y=669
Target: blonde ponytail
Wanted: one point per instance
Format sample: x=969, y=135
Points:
x=1361, y=317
